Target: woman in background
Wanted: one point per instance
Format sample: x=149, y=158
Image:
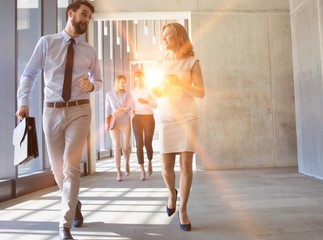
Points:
x=118, y=107
x=177, y=115
x=143, y=122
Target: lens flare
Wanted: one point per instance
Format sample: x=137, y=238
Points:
x=154, y=78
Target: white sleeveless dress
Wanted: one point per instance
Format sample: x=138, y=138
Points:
x=177, y=114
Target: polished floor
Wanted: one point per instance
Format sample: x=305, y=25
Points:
x=257, y=204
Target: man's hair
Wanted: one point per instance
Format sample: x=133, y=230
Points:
x=76, y=5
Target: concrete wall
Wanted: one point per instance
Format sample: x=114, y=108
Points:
x=244, y=46
x=307, y=29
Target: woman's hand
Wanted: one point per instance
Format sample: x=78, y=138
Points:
x=106, y=126
x=143, y=101
x=119, y=110
x=157, y=91
x=172, y=79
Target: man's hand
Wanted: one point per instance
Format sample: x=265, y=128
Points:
x=86, y=85
x=22, y=112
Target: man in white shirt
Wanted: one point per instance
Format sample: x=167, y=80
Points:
x=66, y=120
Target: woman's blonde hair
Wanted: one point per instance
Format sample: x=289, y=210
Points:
x=118, y=79
x=184, y=45
x=139, y=74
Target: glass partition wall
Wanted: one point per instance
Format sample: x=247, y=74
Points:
x=28, y=33
x=29, y=30
x=21, y=25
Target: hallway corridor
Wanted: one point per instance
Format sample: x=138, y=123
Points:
x=262, y=204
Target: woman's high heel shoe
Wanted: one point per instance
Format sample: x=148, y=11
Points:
x=143, y=176
x=150, y=168
x=184, y=227
x=127, y=172
x=170, y=211
x=119, y=177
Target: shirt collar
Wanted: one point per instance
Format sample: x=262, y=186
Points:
x=68, y=37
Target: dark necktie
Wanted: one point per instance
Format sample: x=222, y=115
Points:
x=66, y=93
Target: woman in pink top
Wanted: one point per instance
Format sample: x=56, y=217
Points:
x=118, y=107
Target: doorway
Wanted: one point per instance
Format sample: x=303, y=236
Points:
x=125, y=42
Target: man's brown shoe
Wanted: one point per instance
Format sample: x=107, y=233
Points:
x=65, y=233
x=78, y=219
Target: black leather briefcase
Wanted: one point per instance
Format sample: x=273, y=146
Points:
x=25, y=141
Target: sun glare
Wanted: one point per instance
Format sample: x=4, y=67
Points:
x=154, y=77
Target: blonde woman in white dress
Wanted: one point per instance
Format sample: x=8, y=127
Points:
x=177, y=116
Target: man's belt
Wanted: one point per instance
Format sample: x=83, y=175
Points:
x=66, y=104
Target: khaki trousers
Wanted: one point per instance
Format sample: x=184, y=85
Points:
x=66, y=131
x=120, y=137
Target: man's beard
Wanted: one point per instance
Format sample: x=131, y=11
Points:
x=77, y=27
